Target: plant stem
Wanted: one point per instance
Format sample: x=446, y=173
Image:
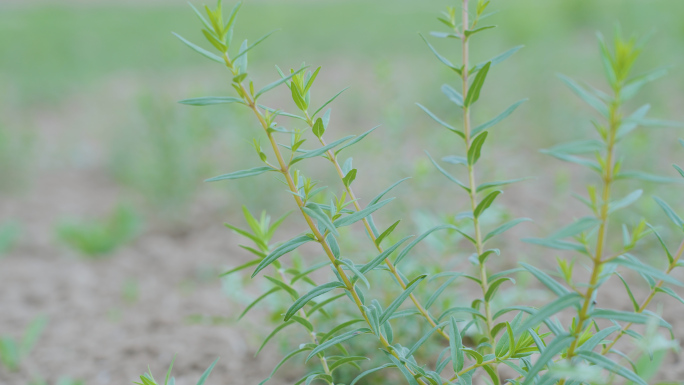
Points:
x=598, y=261
x=489, y=322
x=320, y=238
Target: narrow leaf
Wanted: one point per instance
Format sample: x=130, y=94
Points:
x=316, y=292
x=280, y=251
x=498, y=119
x=241, y=174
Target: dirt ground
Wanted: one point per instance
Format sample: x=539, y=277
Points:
x=95, y=334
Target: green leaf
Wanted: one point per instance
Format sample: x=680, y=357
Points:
x=401, y=298
x=339, y=327
x=317, y=291
x=402, y=368
x=359, y=215
x=549, y=282
x=476, y=148
x=287, y=357
x=642, y=268
x=318, y=128
x=315, y=212
x=424, y=338
x=573, y=159
x=624, y=202
x=453, y=159
x=456, y=346
x=441, y=122
x=337, y=340
x=485, y=203
x=505, y=227
x=387, y=232
x=494, y=286
x=544, y=313
x=272, y=334
x=256, y=301
x=581, y=225
x=282, y=250
x=498, y=119
x=556, y=244
x=382, y=256
x=497, y=59
x=411, y=245
x=679, y=170
x=210, y=100
x=635, y=304
x=670, y=292
x=261, y=39
x=489, y=185
x=320, y=151
x=476, y=86
x=328, y=102
x=625, y=316
x=598, y=338
x=556, y=346
x=441, y=58
x=370, y=371
x=469, y=32
x=289, y=289
x=358, y=275
x=200, y=50
x=578, y=147
x=633, y=86
x=382, y=194
x=346, y=360
x=33, y=331
x=206, y=373
x=355, y=140
x=646, y=177
x=349, y=178
x=278, y=82
x=670, y=213
x=241, y=174
x=590, y=99
x=453, y=95
x=446, y=174
x=611, y=366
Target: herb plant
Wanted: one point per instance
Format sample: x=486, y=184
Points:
x=573, y=339
x=97, y=238
x=13, y=351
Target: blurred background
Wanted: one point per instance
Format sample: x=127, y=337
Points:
x=110, y=244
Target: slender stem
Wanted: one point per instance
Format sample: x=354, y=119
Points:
x=479, y=246
x=648, y=299
x=598, y=261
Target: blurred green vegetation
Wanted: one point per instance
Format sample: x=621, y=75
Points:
x=99, y=237
x=110, y=72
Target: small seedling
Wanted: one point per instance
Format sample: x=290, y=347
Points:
x=96, y=238
x=13, y=351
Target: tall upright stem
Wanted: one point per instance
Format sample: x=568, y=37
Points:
x=489, y=322
x=597, y=261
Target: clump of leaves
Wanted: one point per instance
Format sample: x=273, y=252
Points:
x=148, y=378
x=13, y=351
x=481, y=339
x=99, y=237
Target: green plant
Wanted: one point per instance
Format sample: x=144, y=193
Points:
x=480, y=340
x=148, y=379
x=96, y=238
x=9, y=234
x=13, y=351
x=161, y=157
